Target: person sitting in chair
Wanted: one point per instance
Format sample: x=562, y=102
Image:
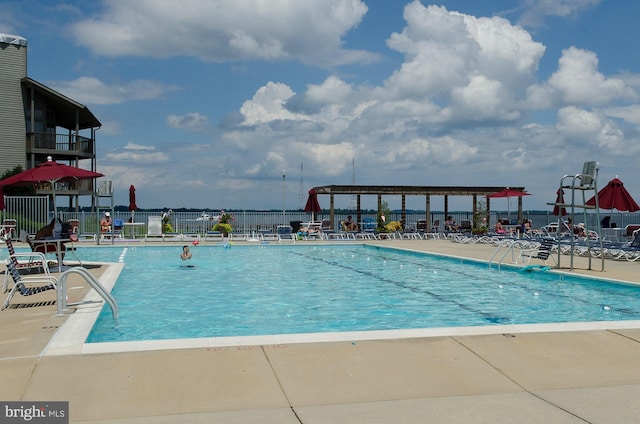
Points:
x=105, y=223
x=349, y=225
x=450, y=224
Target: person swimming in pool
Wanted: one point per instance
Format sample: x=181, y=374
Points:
x=186, y=254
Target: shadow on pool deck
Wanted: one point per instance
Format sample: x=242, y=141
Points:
x=532, y=377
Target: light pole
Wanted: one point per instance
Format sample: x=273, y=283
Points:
x=284, y=173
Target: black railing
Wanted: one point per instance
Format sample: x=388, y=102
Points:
x=60, y=142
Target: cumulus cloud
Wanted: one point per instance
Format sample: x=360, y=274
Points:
x=223, y=30
x=585, y=129
x=578, y=81
x=461, y=75
x=465, y=104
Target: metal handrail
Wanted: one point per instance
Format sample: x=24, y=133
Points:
x=509, y=243
x=99, y=288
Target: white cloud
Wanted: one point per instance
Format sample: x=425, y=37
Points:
x=134, y=146
x=630, y=113
x=92, y=91
x=225, y=30
x=578, y=82
x=267, y=104
x=583, y=128
x=465, y=105
x=137, y=156
x=537, y=10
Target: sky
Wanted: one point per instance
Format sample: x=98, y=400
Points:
x=204, y=103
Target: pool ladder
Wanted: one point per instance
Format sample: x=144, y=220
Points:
x=99, y=288
x=505, y=246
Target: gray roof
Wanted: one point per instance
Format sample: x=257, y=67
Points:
x=66, y=108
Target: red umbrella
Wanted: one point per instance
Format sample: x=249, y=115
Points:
x=615, y=196
x=1, y=198
x=312, y=204
x=50, y=172
x=132, y=199
x=559, y=210
x=508, y=192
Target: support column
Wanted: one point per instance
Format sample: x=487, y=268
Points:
x=475, y=210
x=519, y=209
x=488, y=213
x=380, y=223
x=428, y=213
x=403, y=215
x=359, y=213
x=446, y=206
x=331, y=211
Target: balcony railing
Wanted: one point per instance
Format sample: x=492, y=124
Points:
x=59, y=143
x=67, y=188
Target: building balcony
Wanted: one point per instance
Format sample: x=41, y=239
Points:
x=60, y=146
x=71, y=188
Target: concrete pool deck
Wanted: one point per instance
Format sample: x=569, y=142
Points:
x=572, y=373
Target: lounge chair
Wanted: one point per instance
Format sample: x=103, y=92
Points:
x=31, y=260
x=8, y=227
x=285, y=233
x=28, y=286
x=154, y=228
x=465, y=226
x=542, y=252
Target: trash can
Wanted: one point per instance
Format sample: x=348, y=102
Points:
x=295, y=226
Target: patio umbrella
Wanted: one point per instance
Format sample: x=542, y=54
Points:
x=559, y=210
x=508, y=192
x=615, y=196
x=49, y=172
x=312, y=204
x=132, y=201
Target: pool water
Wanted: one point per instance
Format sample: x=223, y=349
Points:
x=263, y=290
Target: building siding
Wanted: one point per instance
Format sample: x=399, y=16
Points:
x=13, y=67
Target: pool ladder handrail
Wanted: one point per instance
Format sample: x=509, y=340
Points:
x=509, y=244
x=99, y=288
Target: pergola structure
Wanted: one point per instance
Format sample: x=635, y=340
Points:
x=404, y=191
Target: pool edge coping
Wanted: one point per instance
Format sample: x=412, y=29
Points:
x=71, y=337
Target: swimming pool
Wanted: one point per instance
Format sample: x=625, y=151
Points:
x=260, y=290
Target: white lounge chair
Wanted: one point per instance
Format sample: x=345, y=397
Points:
x=154, y=228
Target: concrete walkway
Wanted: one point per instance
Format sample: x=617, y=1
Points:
x=546, y=375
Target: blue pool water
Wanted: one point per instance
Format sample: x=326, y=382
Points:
x=260, y=290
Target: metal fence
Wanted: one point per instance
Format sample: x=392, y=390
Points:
x=31, y=213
